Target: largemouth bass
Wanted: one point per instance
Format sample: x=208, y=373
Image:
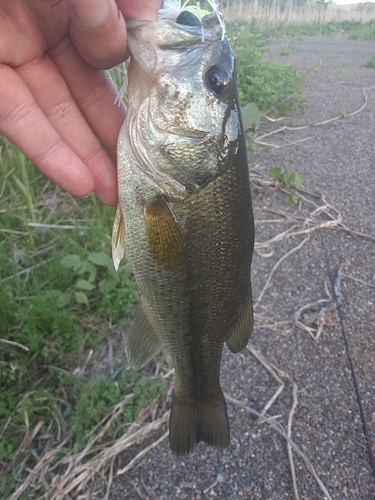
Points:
x=184, y=217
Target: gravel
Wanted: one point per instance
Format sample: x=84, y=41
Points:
x=339, y=162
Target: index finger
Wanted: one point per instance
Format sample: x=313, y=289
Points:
x=25, y=125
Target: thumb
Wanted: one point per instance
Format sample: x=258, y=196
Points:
x=98, y=32
x=91, y=13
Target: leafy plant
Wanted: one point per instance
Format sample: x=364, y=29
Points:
x=99, y=285
x=290, y=180
x=251, y=116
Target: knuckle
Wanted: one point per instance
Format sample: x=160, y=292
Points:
x=97, y=93
x=47, y=151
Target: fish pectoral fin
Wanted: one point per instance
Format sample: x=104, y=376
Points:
x=142, y=342
x=190, y=423
x=239, y=338
x=164, y=240
x=118, y=237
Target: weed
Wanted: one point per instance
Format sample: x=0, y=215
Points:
x=286, y=49
x=354, y=30
x=99, y=285
x=371, y=62
x=89, y=402
x=269, y=85
x=360, y=31
x=290, y=180
x=251, y=116
x=100, y=394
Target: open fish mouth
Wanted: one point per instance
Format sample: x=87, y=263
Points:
x=188, y=133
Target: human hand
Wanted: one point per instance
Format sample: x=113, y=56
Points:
x=56, y=99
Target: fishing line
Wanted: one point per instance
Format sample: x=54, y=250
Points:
x=335, y=284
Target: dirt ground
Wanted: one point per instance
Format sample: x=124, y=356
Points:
x=338, y=161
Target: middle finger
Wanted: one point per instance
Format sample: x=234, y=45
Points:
x=58, y=105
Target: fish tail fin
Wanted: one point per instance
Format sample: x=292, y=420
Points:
x=191, y=423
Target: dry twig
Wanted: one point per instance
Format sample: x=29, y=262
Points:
x=80, y=473
x=355, y=279
x=33, y=474
x=56, y=226
x=300, y=245
x=341, y=116
x=263, y=322
x=303, y=222
x=17, y=344
x=313, y=332
x=142, y=453
x=28, y=270
x=277, y=427
x=278, y=374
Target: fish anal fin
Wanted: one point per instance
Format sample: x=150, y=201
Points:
x=164, y=240
x=118, y=237
x=190, y=423
x=142, y=342
x=239, y=337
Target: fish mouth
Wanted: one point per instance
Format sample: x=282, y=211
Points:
x=188, y=133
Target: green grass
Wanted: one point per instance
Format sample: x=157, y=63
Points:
x=271, y=86
x=60, y=298
x=353, y=30
x=286, y=49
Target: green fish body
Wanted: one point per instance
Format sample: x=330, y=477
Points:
x=184, y=218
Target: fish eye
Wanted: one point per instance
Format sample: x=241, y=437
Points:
x=218, y=79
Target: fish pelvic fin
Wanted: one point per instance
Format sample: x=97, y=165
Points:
x=190, y=423
x=239, y=337
x=142, y=342
x=118, y=237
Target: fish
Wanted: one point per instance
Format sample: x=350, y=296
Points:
x=184, y=219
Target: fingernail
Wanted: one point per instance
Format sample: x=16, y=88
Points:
x=91, y=12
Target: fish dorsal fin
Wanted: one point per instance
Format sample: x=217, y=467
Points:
x=142, y=343
x=163, y=237
x=118, y=237
x=239, y=338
